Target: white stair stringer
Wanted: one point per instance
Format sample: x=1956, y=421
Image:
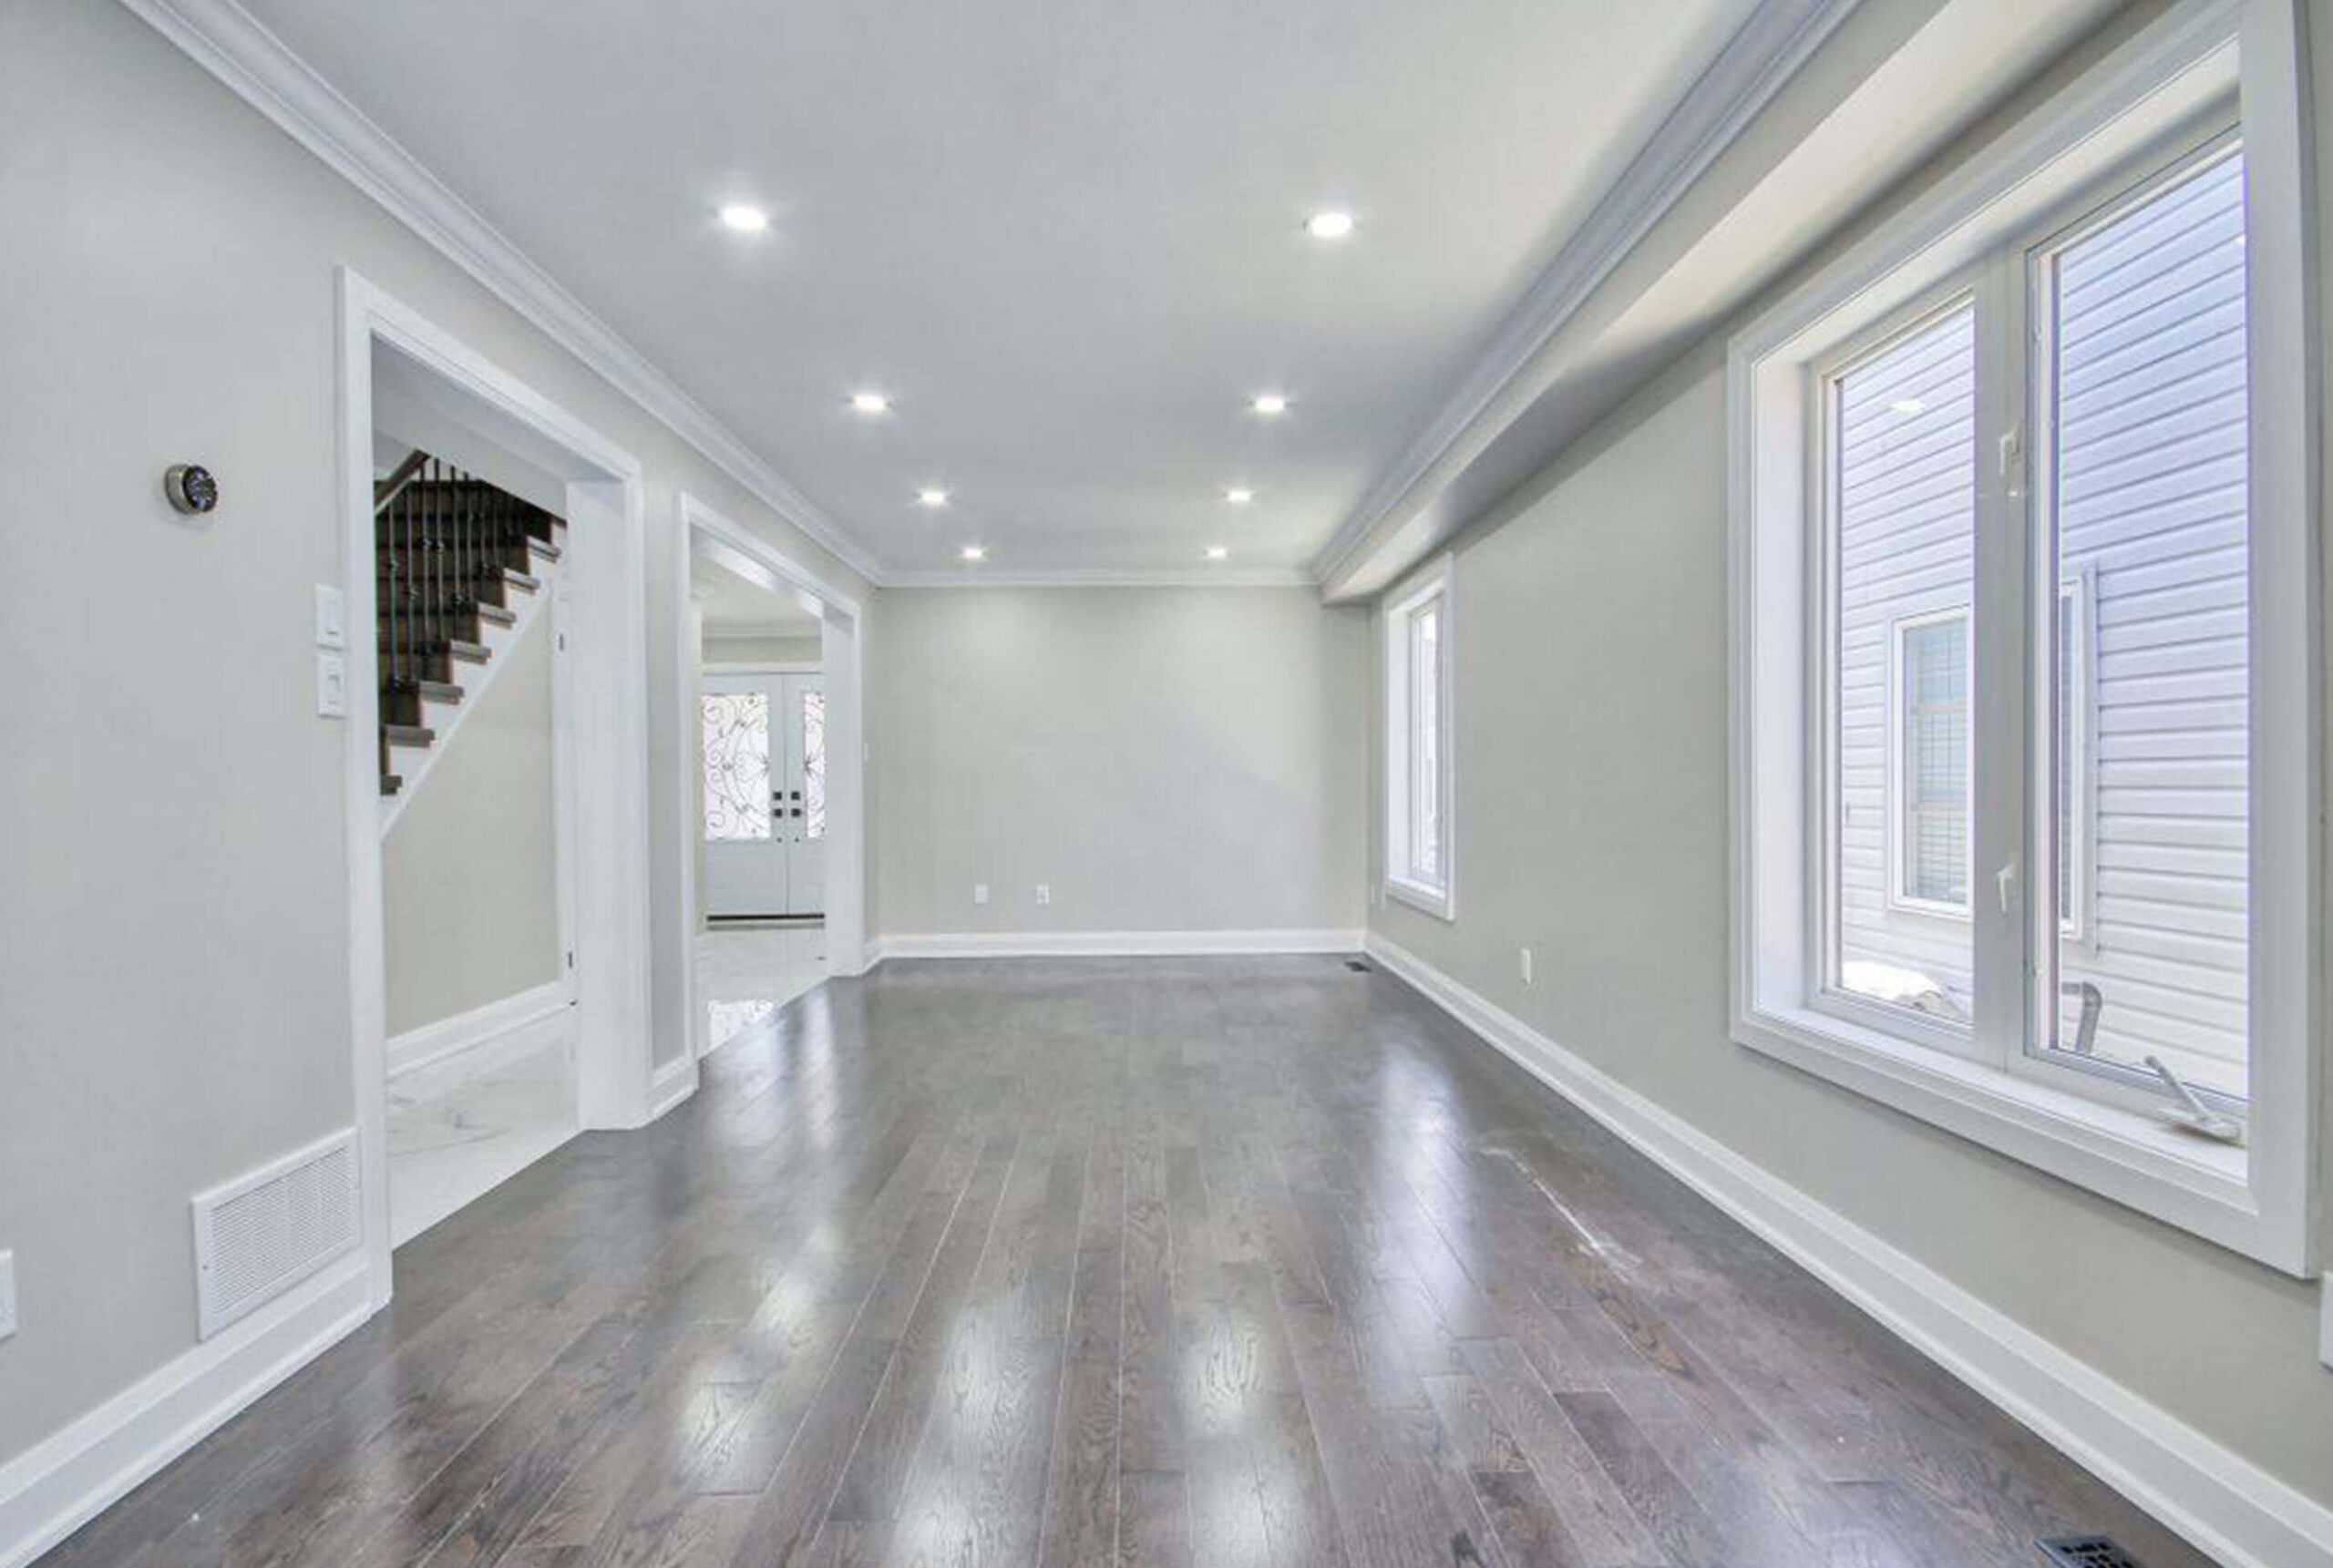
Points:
x=411, y=764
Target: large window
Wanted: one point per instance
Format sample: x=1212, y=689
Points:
x=2024, y=838
x=1417, y=744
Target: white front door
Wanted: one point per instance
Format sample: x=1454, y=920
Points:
x=762, y=739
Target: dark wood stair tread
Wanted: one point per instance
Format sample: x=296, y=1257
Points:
x=392, y=782
x=409, y=735
x=497, y=614
x=513, y=578
x=440, y=690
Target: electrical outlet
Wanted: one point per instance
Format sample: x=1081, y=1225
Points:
x=331, y=686
x=7, y=1294
x=1523, y=958
x=1044, y=892
x=979, y=892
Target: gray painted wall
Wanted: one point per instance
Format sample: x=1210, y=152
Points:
x=721, y=650
x=173, y=946
x=1166, y=759
x=1590, y=710
x=470, y=871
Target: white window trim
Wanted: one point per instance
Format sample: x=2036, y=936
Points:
x=1897, y=785
x=2261, y=1199
x=1435, y=896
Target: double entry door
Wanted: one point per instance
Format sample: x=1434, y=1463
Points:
x=765, y=745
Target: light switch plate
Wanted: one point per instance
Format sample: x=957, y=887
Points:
x=332, y=617
x=979, y=892
x=331, y=686
x=7, y=1294
x=1045, y=893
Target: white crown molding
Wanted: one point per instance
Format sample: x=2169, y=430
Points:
x=232, y=45
x=2234, y=1510
x=1162, y=577
x=1762, y=56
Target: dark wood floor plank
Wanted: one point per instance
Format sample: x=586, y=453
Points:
x=1110, y=1264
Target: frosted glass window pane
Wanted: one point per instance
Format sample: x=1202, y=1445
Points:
x=735, y=726
x=813, y=764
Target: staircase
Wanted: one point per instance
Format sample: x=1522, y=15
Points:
x=460, y=569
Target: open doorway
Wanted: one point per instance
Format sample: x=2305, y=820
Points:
x=492, y=616
x=773, y=780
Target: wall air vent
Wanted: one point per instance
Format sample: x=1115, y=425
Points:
x=261, y=1233
x=2086, y=1552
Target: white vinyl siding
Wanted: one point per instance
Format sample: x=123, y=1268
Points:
x=2150, y=487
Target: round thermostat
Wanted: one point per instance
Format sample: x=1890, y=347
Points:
x=190, y=487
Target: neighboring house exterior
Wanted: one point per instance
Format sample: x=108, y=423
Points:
x=2147, y=313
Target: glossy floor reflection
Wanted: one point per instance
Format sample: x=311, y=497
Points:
x=1228, y=1261
x=746, y=973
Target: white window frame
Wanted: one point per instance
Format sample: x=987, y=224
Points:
x=1900, y=896
x=2162, y=86
x=1435, y=894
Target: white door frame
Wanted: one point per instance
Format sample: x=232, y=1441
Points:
x=604, y=571
x=843, y=649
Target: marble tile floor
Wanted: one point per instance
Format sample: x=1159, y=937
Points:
x=461, y=1127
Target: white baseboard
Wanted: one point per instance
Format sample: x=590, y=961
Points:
x=2229, y=1507
x=433, y=1042
x=672, y=1083
x=72, y=1475
x=1106, y=944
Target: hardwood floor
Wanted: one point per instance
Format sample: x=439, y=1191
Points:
x=1159, y=1262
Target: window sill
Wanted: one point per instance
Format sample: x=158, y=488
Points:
x=2128, y=1156
x=1435, y=901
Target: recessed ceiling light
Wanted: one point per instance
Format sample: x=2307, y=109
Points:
x=931, y=497
x=870, y=403
x=1238, y=497
x=1269, y=403
x=1329, y=225
x=974, y=552
x=744, y=218
x=1908, y=406
x=1217, y=552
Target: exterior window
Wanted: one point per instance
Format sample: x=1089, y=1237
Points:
x=2024, y=810
x=1417, y=744
x=1903, y=509
x=1932, y=763
x=2144, y=387
x=736, y=766
x=1425, y=743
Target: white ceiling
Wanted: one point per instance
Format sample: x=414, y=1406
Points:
x=1065, y=237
